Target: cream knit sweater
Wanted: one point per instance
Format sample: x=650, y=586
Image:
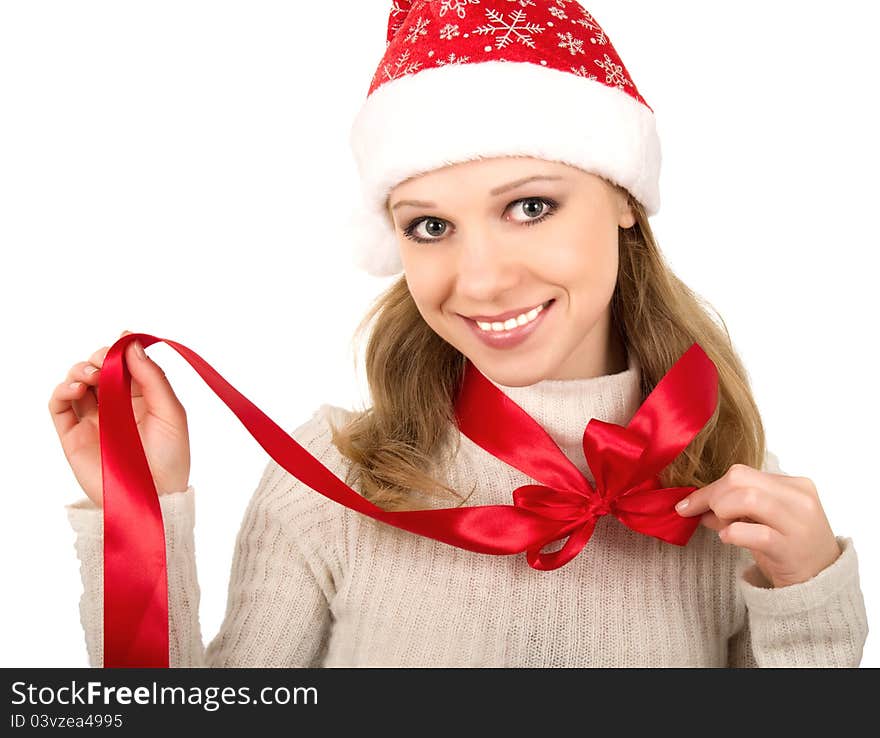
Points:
x=314, y=583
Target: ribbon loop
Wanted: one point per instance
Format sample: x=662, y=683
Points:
x=572, y=547
x=613, y=454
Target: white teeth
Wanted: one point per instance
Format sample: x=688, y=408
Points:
x=507, y=325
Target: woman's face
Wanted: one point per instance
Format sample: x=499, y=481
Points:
x=491, y=250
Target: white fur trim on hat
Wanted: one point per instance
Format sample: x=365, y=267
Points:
x=374, y=247
x=460, y=112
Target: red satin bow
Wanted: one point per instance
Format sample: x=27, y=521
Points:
x=624, y=461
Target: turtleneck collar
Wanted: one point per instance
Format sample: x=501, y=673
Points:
x=563, y=407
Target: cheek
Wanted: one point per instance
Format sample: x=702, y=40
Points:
x=586, y=263
x=426, y=290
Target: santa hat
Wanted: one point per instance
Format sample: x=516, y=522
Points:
x=469, y=79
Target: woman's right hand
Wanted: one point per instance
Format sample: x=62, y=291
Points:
x=160, y=418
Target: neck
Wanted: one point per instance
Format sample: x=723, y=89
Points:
x=588, y=362
x=563, y=407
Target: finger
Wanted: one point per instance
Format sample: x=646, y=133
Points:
x=85, y=403
x=769, y=505
x=78, y=372
x=68, y=404
x=61, y=409
x=157, y=392
x=712, y=521
x=133, y=361
x=97, y=358
x=754, y=536
x=701, y=500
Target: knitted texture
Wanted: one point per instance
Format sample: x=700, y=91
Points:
x=314, y=583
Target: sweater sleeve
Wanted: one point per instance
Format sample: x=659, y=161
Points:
x=286, y=565
x=821, y=622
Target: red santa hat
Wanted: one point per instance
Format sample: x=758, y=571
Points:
x=470, y=79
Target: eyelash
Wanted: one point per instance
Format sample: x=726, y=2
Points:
x=552, y=204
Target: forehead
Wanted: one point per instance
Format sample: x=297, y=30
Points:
x=482, y=174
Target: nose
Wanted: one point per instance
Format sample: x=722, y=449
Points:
x=485, y=268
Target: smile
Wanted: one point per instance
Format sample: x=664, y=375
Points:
x=513, y=331
x=511, y=323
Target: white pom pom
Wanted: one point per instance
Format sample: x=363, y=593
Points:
x=374, y=246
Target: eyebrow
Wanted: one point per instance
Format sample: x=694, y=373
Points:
x=497, y=191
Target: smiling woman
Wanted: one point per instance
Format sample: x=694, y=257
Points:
x=535, y=363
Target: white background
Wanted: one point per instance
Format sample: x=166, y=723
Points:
x=182, y=169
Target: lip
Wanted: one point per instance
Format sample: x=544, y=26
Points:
x=513, y=337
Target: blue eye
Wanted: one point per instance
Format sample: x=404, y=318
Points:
x=552, y=206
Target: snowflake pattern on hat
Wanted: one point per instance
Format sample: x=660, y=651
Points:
x=559, y=34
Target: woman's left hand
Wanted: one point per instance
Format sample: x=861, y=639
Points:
x=777, y=517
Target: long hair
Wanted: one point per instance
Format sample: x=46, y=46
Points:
x=397, y=446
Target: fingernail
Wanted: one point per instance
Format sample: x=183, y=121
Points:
x=89, y=370
x=683, y=504
x=139, y=350
x=75, y=385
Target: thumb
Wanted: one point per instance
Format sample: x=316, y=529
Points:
x=149, y=380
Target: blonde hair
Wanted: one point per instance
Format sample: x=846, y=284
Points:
x=396, y=446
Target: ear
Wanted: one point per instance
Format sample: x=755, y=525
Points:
x=626, y=216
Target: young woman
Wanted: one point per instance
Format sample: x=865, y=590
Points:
x=519, y=224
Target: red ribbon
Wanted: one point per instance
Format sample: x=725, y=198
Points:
x=624, y=461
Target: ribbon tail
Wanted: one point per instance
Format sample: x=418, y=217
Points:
x=497, y=424
x=135, y=574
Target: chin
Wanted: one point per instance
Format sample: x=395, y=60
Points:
x=512, y=373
